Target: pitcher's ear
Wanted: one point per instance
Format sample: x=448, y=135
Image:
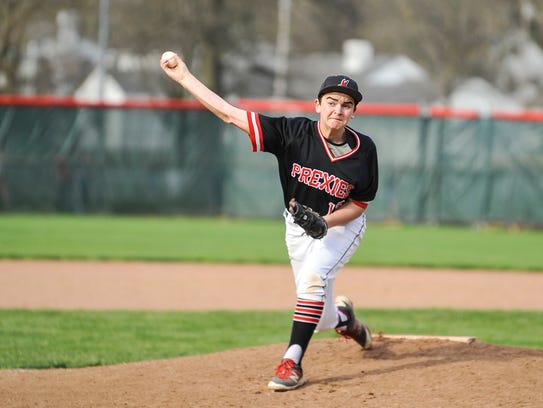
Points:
x=317, y=105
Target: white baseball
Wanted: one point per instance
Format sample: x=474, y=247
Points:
x=170, y=57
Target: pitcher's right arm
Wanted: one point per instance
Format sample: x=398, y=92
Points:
x=225, y=111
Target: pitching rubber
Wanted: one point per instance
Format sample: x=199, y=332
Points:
x=458, y=339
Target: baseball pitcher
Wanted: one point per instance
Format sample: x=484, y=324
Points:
x=328, y=174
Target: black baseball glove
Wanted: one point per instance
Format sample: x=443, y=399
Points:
x=314, y=225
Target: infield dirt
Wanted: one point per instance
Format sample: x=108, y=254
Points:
x=395, y=373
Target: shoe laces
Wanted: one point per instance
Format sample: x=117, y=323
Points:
x=284, y=370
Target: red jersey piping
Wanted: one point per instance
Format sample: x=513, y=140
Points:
x=327, y=148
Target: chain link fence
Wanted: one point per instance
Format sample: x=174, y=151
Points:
x=176, y=158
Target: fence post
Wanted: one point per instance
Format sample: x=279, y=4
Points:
x=487, y=131
x=436, y=173
x=423, y=148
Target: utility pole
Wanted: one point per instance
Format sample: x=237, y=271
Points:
x=103, y=41
x=282, y=48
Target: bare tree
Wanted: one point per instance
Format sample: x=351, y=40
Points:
x=202, y=31
x=13, y=36
x=23, y=20
x=452, y=39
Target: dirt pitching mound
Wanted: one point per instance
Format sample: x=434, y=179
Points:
x=395, y=373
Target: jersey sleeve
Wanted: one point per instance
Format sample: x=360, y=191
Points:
x=255, y=132
x=273, y=134
x=364, y=193
x=267, y=134
x=361, y=204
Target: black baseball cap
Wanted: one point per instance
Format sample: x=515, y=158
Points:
x=343, y=84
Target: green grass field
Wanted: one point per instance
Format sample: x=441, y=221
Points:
x=258, y=241
x=43, y=339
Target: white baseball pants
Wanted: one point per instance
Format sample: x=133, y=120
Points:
x=316, y=262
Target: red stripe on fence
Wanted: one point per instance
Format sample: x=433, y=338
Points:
x=271, y=105
x=381, y=109
x=448, y=113
x=522, y=116
x=275, y=105
x=70, y=102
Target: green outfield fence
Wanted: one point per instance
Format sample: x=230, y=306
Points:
x=437, y=165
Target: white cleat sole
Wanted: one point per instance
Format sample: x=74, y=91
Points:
x=281, y=387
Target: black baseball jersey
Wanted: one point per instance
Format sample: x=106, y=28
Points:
x=308, y=170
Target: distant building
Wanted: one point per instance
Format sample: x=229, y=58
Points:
x=382, y=79
x=89, y=90
x=478, y=94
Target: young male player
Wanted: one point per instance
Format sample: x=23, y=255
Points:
x=328, y=174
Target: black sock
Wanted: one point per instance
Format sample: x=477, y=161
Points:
x=306, y=317
x=301, y=334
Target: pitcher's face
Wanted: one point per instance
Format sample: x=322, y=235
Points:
x=335, y=109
